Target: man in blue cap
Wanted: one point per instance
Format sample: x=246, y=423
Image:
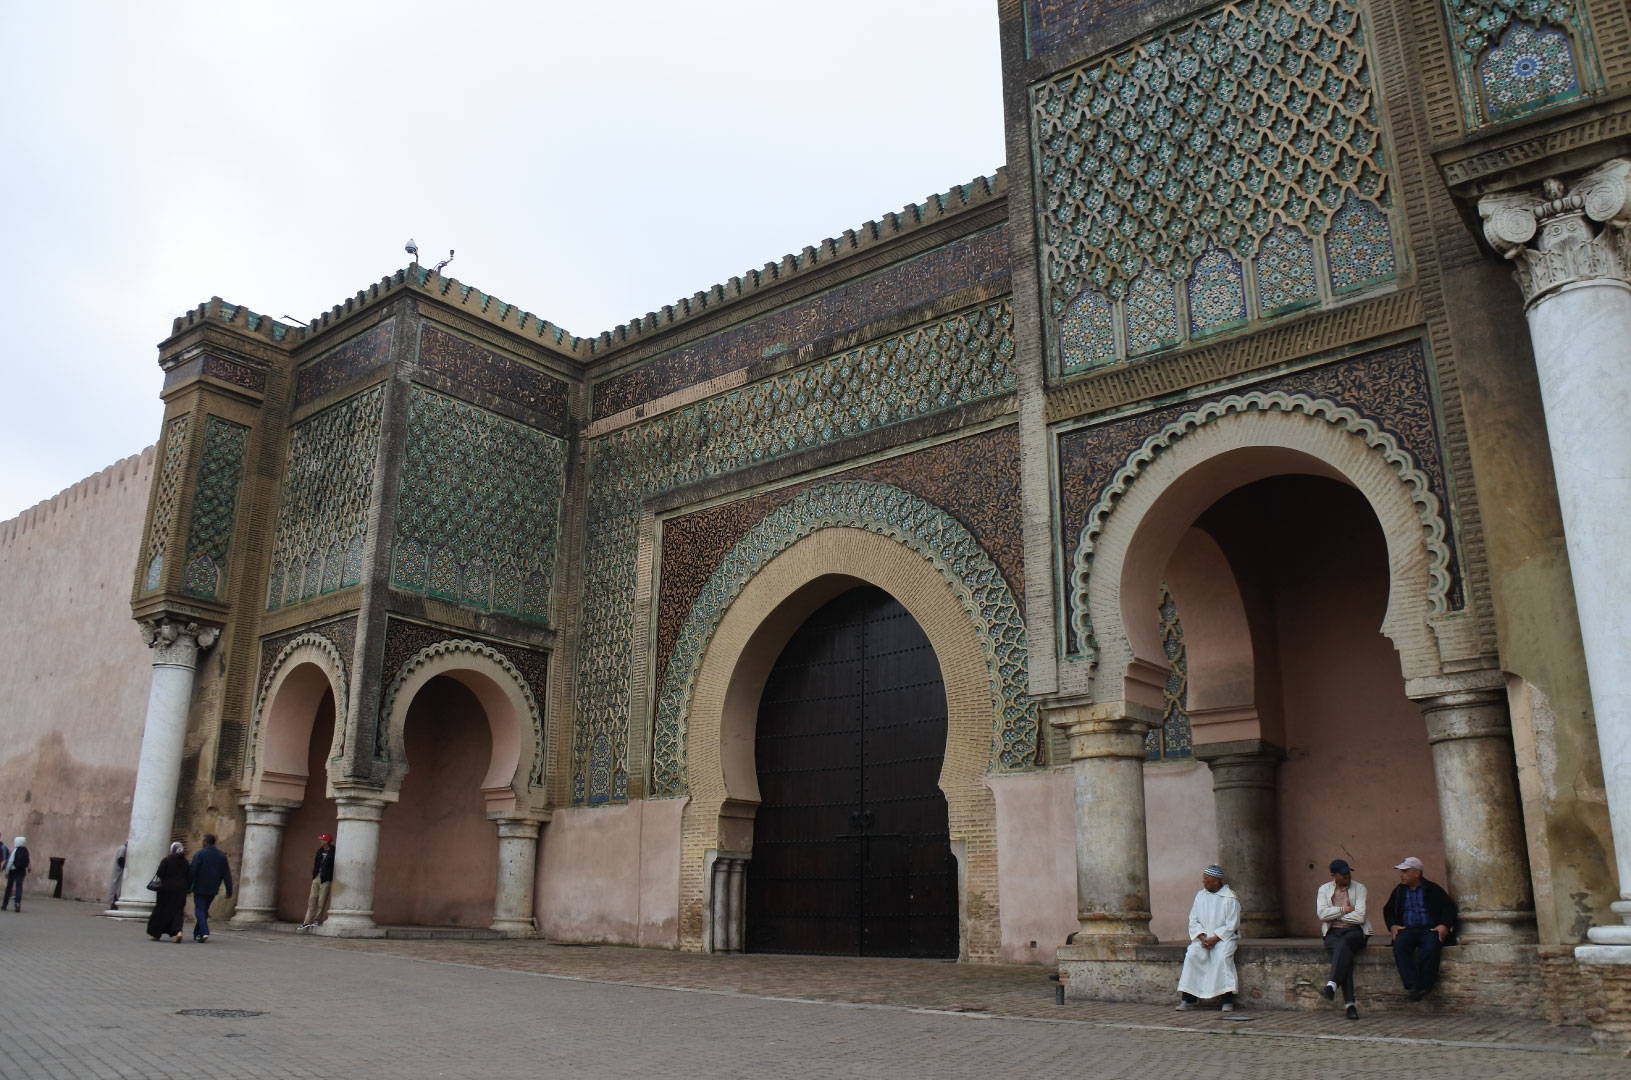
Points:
x=1340, y=905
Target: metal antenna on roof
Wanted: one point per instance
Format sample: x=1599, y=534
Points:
x=445, y=261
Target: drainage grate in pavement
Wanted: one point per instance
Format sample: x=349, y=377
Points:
x=222, y=1014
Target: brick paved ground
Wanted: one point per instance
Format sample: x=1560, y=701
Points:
x=86, y=997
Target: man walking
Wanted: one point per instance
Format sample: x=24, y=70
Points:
x=322, y=877
x=1422, y=918
x=1214, y=926
x=1340, y=905
x=208, y=873
x=16, y=871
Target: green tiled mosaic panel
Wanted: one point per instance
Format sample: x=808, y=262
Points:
x=961, y=358
x=328, y=483
x=166, y=495
x=1173, y=738
x=1513, y=57
x=478, y=514
x=215, y=505
x=1182, y=159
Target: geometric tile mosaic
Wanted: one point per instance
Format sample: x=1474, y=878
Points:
x=889, y=511
x=323, y=516
x=1531, y=68
x=1359, y=246
x=1514, y=56
x=478, y=512
x=1194, y=145
x=1172, y=739
x=960, y=358
x=166, y=495
x=215, y=505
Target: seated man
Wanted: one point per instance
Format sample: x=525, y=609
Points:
x=1422, y=917
x=1214, y=926
x=1340, y=905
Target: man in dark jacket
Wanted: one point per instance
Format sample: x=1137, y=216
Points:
x=322, y=877
x=209, y=872
x=16, y=869
x=1421, y=917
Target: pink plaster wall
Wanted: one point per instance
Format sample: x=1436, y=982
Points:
x=1036, y=862
x=313, y=817
x=612, y=874
x=1181, y=828
x=438, y=853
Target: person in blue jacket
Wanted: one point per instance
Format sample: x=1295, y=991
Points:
x=209, y=872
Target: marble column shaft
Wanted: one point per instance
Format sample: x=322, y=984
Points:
x=1571, y=256
x=1476, y=775
x=517, y=870
x=1112, y=855
x=175, y=646
x=258, y=868
x=1245, y=792
x=727, y=893
x=356, y=851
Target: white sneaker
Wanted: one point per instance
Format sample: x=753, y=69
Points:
x=1228, y=1006
x=1185, y=1006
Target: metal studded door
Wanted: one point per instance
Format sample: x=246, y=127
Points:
x=851, y=847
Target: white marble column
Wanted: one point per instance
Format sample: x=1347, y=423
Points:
x=258, y=868
x=1569, y=249
x=1112, y=854
x=517, y=870
x=175, y=646
x=1476, y=776
x=356, y=850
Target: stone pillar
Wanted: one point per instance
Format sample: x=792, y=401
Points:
x=1246, y=795
x=1477, y=779
x=1112, y=855
x=258, y=868
x=1571, y=257
x=517, y=869
x=356, y=849
x=175, y=646
x=726, y=895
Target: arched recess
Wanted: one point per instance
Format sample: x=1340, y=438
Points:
x=1227, y=698
x=1133, y=530
x=739, y=654
x=515, y=776
x=304, y=670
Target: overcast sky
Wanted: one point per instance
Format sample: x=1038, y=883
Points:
x=589, y=162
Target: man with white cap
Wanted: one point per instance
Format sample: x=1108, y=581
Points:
x=1421, y=917
x=1214, y=928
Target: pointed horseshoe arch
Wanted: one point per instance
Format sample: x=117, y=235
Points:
x=1247, y=437
x=516, y=769
x=303, y=671
x=899, y=515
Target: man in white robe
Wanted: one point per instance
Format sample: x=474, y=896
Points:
x=1214, y=929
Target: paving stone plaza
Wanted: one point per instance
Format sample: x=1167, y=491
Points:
x=86, y=997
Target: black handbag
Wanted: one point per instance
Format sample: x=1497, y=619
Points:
x=153, y=885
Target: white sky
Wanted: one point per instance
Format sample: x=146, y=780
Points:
x=590, y=162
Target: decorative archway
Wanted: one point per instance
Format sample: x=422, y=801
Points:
x=1141, y=515
x=780, y=574
x=303, y=671
x=515, y=775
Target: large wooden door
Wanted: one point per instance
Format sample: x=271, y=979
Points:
x=851, y=848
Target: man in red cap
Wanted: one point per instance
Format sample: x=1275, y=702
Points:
x=1421, y=916
x=322, y=876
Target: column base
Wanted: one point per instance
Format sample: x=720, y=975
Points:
x=349, y=924
x=244, y=917
x=514, y=928
x=1496, y=928
x=1606, y=971
x=130, y=909
x=1269, y=925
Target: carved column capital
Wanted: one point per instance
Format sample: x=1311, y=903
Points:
x=1561, y=235
x=177, y=642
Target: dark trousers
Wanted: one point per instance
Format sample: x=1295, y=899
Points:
x=14, y=886
x=201, y=912
x=1342, y=942
x=1416, y=951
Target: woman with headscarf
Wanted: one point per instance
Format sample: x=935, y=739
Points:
x=16, y=870
x=170, y=901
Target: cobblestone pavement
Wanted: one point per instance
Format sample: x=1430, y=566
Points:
x=86, y=997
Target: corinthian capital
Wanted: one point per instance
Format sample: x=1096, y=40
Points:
x=175, y=641
x=1564, y=234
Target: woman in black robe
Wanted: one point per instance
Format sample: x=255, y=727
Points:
x=170, y=902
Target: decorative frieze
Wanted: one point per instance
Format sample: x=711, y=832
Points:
x=166, y=500
x=215, y=505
